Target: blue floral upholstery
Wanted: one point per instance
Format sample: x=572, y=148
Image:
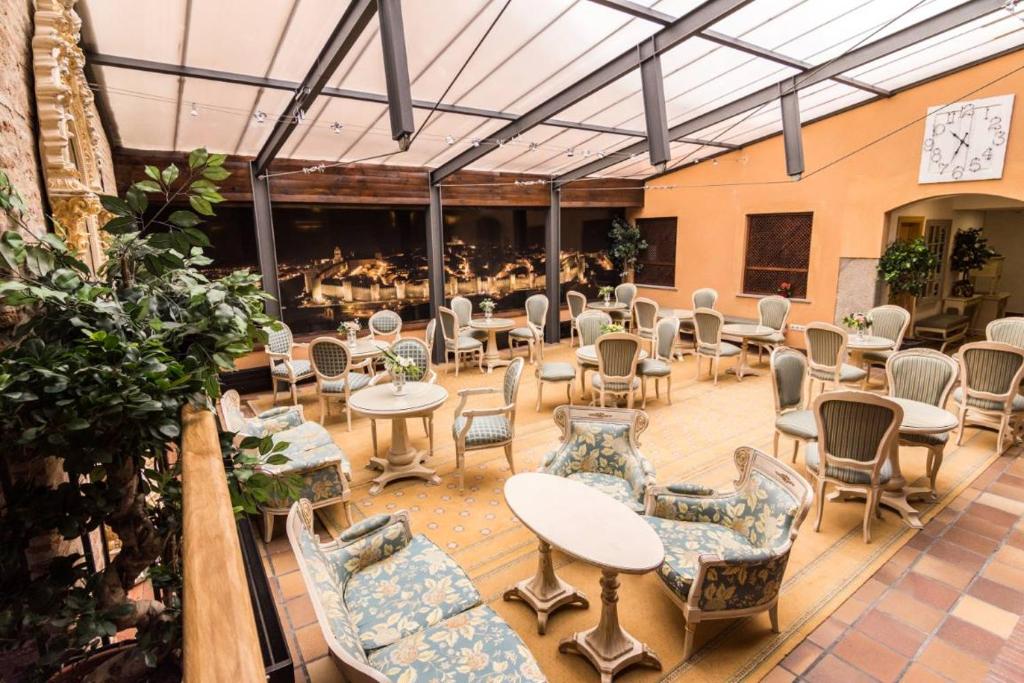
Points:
x=270, y=421
x=356, y=380
x=395, y=607
x=485, y=429
x=599, y=451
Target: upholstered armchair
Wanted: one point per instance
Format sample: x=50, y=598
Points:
x=988, y=395
x=645, y=315
x=792, y=419
x=533, y=334
x=659, y=365
x=463, y=309
x=456, y=344
x=1006, y=331
x=599, y=448
x=708, y=342
x=588, y=329
x=283, y=366
x=617, y=358
x=323, y=468
x=483, y=428
x=773, y=312
x=393, y=606
x=826, y=355
x=577, y=303
x=335, y=378
x=624, y=294
x=726, y=553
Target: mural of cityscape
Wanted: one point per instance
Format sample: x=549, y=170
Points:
x=339, y=263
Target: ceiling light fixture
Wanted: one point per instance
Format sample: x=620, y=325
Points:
x=570, y=153
x=194, y=112
x=449, y=140
x=475, y=142
x=533, y=146
x=337, y=127
x=259, y=116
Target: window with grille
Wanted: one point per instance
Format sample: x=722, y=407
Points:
x=936, y=237
x=659, y=259
x=778, y=251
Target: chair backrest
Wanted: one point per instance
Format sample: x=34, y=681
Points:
x=577, y=303
x=707, y=323
x=416, y=350
x=924, y=375
x=1007, y=331
x=788, y=371
x=890, y=322
x=280, y=340
x=779, y=498
x=705, y=298
x=330, y=358
x=826, y=346
x=625, y=293
x=589, y=324
x=857, y=432
x=990, y=371
x=385, y=323
x=773, y=312
x=646, y=312
x=449, y=323
x=617, y=355
x=510, y=386
x=429, y=334
x=463, y=308
x=537, y=310
x=665, y=337
x=229, y=410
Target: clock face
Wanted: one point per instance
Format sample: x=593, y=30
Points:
x=966, y=140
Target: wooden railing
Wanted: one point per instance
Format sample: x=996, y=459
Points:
x=220, y=637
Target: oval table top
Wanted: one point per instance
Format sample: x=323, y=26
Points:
x=588, y=354
x=365, y=347
x=746, y=330
x=380, y=400
x=583, y=522
x=868, y=343
x=491, y=323
x=681, y=313
x=610, y=306
x=924, y=418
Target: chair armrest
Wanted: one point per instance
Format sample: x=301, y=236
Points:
x=683, y=488
x=378, y=378
x=273, y=355
x=281, y=418
x=692, y=503
x=464, y=395
x=376, y=538
x=726, y=581
x=470, y=415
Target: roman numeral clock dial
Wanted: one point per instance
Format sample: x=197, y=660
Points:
x=966, y=140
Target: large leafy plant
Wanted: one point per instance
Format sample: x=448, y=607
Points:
x=94, y=379
x=626, y=246
x=906, y=266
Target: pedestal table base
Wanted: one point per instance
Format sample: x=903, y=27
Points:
x=402, y=462
x=545, y=592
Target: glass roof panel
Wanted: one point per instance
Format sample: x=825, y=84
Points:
x=161, y=22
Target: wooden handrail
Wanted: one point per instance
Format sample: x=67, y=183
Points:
x=220, y=638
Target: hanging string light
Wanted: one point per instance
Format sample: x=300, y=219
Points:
x=259, y=116
x=194, y=111
x=337, y=127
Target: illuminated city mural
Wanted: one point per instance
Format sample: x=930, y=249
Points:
x=338, y=263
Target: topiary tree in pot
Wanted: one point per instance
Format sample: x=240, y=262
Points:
x=626, y=246
x=970, y=252
x=95, y=378
x=906, y=267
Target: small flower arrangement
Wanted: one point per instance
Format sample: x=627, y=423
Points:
x=858, y=321
x=350, y=328
x=785, y=290
x=487, y=306
x=606, y=292
x=401, y=365
x=612, y=328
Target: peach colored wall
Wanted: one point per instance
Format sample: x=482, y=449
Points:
x=849, y=199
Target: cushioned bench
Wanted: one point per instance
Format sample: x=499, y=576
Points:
x=393, y=606
x=944, y=327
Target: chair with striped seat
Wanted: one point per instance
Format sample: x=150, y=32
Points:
x=857, y=433
x=826, y=357
x=645, y=317
x=792, y=419
x=624, y=294
x=482, y=428
x=533, y=334
x=617, y=357
x=1006, y=331
x=988, y=395
x=577, y=303
x=463, y=309
x=283, y=366
x=335, y=379
x=588, y=329
x=456, y=344
x=659, y=365
x=386, y=324
x=924, y=375
x=773, y=312
x=707, y=339
x=888, y=322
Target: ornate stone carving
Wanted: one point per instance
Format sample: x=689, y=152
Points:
x=69, y=132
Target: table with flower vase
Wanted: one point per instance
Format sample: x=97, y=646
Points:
x=365, y=348
x=380, y=401
x=492, y=326
x=918, y=418
x=607, y=306
x=587, y=356
x=591, y=527
x=857, y=344
x=745, y=332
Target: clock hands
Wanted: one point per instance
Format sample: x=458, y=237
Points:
x=963, y=142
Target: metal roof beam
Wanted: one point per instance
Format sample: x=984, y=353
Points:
x=396, y=72
x=894, y=42
x=678, y=31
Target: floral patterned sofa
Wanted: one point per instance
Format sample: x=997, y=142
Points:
x=599, y=449
x=322, y=466
x=725, y=554
x=395, y=607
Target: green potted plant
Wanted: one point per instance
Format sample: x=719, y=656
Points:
x=626, y=246
x=93, y=380
x=970, y=252
x=906, y=267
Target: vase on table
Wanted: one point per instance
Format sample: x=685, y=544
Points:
x=860, y=334
x=607, y=299
x=488, y=315
x=351, y=336
x=398, y=383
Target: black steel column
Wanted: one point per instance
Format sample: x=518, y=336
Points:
x=435, y=266
x=265, y=247
x=553, y=267
x=792, y=137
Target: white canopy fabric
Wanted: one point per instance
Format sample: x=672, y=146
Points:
x=537, y=48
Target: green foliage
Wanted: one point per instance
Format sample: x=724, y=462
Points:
x=605, y=291
x=612, y=328
x=970, y=251
x=626, y=245
x=248, y=482
x=96, y=377
x=906, y=266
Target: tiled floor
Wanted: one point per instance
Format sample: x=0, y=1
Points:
x=947, y=606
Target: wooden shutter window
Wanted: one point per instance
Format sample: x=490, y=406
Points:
x=659, y=259
x=778, y=250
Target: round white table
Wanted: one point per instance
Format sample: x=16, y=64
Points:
x=594, y=528
x=492, y=326
x=918, y=418
x=365, y=348
x=609, y=306
x=745, y=332
x=681, y=313
x=858, y=344
x=381, y=402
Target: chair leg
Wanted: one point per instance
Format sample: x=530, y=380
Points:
x=508, y=456
x=426, y=427
x=429, y=424
x=668, y=389
x=1003, y=424
x=869, y=512
x=820, y=496
x=657, y=388
x=273, y=385
x=643, y=393
x=373, y=436
x=796, y=449
x=775, y=446
x=698, y=366
x=540, y=391
x=323, y=409
x=691, y=630
x=963, y=425
x=458, y=362
x=295, y=394
x=268, y=526
x=716, y=370
x=568, y=391
x=460, y=465
x=629, y=400
x=348, y=414
x=773, y=614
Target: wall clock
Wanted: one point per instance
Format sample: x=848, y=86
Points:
x=966, y=140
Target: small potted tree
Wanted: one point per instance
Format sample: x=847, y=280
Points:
x=970, y=252
x=906, y=267
x=626, y=246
